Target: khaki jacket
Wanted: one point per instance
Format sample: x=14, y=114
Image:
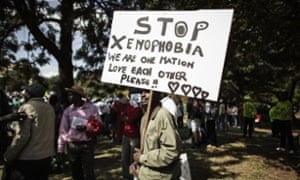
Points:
x=162, y=147
x=34, y=138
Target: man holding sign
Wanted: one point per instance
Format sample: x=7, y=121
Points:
x=161, y=145
x=176, y=52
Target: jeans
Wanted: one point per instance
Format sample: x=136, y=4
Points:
x=211, y=131
x=223, y=122
x=28, y=170
x=286, y=134
x=248, y=126
x=81, y=156
x=128, y=145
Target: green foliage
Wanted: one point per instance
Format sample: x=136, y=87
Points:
x=262, y=57
x=18, y=75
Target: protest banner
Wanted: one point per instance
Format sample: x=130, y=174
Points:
x=177, y=52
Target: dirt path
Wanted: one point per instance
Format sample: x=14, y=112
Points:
x=234, y=158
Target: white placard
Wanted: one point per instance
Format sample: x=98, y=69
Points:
x=178, y=52
x=78, y=121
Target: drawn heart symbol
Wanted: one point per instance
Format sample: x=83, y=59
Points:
x=186, y=89
x=196, y=91
x=204, y=94
x=173, y=86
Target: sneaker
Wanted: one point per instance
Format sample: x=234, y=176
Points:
x=291, y=151
x=280, y=149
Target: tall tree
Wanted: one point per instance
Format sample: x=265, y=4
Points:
x=262, y=57
x=55, y=25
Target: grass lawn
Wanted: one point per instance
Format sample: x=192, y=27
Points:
x=234, y=158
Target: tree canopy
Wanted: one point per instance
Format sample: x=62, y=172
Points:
x=262, y=57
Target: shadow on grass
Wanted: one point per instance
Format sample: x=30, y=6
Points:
x=234, y=158
x=107, y=162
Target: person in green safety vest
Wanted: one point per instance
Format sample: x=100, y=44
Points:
x=284, y=115
x=249, y=112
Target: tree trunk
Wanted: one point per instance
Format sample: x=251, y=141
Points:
x=65, y=65
x=63, y=52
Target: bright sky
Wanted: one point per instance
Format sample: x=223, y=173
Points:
x=50, y=69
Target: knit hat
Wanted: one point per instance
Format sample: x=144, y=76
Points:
x=36, y=90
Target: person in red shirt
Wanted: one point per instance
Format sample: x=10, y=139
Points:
x=132, y=115
x=117, y=112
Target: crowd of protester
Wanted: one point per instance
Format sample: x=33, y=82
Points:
x=120, y=119
x=43, y=122
x=206, y=119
